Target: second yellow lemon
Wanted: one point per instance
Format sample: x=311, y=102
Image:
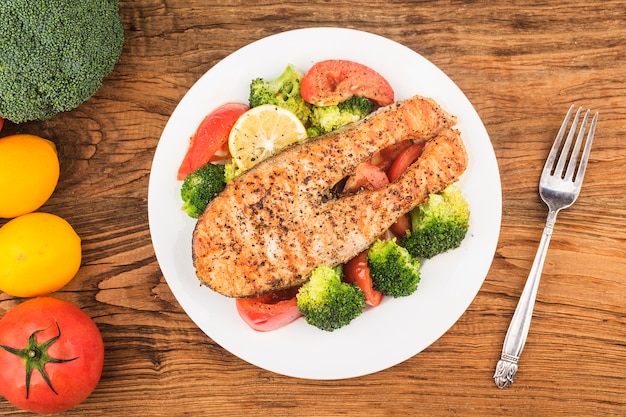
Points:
x=39, y=254
x=29, y=172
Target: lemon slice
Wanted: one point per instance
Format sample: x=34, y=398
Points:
x=261, y=132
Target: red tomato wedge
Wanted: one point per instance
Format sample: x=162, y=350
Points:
x=404, y=160
x=210, y=137
x=334, y=81
x=401, y=226
x=1, y=123
x=385, y=156
x=367, y=176
x=357, y=270
x=270, y=311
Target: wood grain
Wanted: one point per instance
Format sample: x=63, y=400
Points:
x=521, y=64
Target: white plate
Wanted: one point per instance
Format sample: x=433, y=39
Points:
x=381, y=337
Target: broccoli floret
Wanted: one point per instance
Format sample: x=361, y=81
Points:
x=55, y=54
x=439, y=224
x=312, y=131
x=232, y=171
x=393, y=270
x=200, y=187
x=359, y=106
x=328, y=118
x=284, y=92
x=328, y=303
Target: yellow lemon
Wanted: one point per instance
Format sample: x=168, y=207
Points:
x=29, y=172
x=39, y=254
x=261, y=132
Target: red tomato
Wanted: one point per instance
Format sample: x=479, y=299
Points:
x=404, y=160
x=334, y=81
x=400, y=227
x=385, y=156
x=211, y=137
x=357, y=270
x=269, y=311
x=54, y=339
x=1, y=123
x=367, y=176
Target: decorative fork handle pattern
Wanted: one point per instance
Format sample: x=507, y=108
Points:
x=520, y=323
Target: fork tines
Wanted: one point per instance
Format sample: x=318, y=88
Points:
x=566, y=167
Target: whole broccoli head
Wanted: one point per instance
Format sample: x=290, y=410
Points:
x=284, y=92
x=328, y=303
x=438, y=225
x=328, y=118
x=55, y=54
x=200, y=187
x=393, y=270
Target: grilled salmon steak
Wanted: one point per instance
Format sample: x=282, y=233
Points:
x=271, y=226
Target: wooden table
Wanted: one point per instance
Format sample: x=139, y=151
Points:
x=521, y=64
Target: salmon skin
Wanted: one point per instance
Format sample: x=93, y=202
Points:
x=271, y=226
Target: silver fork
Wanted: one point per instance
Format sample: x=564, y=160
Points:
x=559, y=186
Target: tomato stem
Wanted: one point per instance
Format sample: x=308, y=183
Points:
x=34, y=353
x=35, y=356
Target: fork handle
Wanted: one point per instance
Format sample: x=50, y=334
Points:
x=520, y=323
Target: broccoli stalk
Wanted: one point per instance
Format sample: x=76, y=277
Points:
x=328, y=303
x=393, y=270
x=200, y=187
x=439, y=224
x=325, y=119
x=55, y=54
x=283, y=91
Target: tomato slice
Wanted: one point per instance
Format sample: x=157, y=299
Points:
x=334, y=81
x=269, y=311
x=211, y=137
x=367, y=176
x=357, y=270
x=404, y=160
x=404, y=157
x=385, y=156
x=400, y=227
